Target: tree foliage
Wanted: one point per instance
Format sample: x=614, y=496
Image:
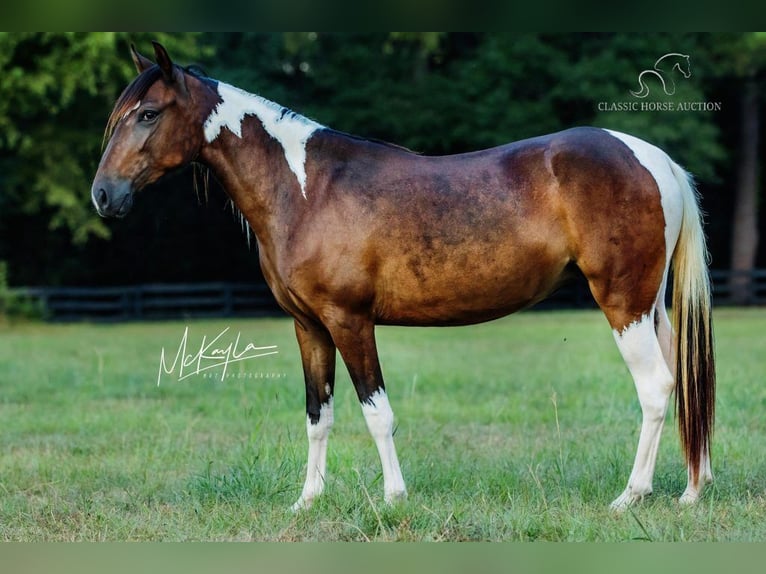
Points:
x=445, y=93
x=436, y=93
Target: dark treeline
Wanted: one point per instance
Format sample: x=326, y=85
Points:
x=434, y=93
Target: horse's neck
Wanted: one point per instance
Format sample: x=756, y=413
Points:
x=290, y=130
x=255, y=146
x=249, y=178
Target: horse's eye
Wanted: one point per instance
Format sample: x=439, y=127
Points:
x=148, y=116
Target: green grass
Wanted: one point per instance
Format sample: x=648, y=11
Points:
x=521, y=429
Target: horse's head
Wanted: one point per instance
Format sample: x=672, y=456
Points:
x=155, y=127
x=684, y=66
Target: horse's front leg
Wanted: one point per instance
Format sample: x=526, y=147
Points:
x=318, y=357
x=355, y=338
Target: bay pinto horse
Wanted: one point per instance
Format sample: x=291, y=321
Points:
x=352, y=233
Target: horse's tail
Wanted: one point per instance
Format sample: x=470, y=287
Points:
x=692, y=323
x=644, y=89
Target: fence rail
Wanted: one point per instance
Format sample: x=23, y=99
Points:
x=751, y=283
x=168, y=301
x=155, y=301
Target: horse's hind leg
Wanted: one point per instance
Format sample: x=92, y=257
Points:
x=664, y=329
x=640, y=348
x=318, y=357
x=694, y=489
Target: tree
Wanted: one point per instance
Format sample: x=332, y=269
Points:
x=605, y=68
x=56, y=93
x=747, y=57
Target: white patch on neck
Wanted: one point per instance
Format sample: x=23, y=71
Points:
x=291, y=130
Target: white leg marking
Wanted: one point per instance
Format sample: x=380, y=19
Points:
x=665, y=329
x=640, y=348
x=380, y=422
x=317, y=460
x=291, y=130
x=694, y=490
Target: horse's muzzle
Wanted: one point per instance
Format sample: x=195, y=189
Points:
x=112, y=198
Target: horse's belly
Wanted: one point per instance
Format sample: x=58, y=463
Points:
x=428, y=313
x=451, y=296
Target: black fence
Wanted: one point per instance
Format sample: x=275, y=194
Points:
x=199, y=300
x=739, y=287
x=161, y=301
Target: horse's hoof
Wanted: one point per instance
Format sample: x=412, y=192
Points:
x=395, y=497
x=302, y=504
x=626, y=500
x=689, y=497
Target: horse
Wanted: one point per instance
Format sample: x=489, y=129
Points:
x=352, y=233
x=674, y=61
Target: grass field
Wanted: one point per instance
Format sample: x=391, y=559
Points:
x=521, y=429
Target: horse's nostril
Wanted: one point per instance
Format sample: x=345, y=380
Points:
x=102, y=198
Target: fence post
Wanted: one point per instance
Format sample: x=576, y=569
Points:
x=125, y=303
x=138, y=304
x=228, y=300
x=740, y=287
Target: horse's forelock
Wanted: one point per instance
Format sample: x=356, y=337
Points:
x=130, y=96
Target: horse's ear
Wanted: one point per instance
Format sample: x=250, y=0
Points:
x=140, y=61
x=171, y=73
x=163, y=61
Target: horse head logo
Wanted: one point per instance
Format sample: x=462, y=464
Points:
x=663, y=69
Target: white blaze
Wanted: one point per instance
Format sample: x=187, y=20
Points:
x=291, y=130
x=131, y=110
